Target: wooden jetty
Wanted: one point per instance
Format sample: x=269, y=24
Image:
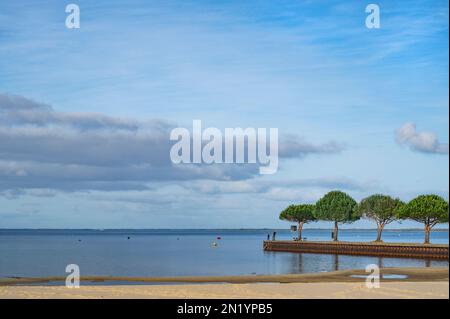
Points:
x=401, y=250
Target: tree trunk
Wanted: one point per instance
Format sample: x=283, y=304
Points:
x=336, y=229
x=300, y=228
x=379, y=232
x=427, y=233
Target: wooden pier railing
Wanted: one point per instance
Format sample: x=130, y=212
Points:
x=403, y=250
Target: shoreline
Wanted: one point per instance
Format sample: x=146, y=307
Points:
x=431, y=274
x=421, y=283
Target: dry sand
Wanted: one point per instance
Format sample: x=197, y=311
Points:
x=421, y=283
x=238, y=291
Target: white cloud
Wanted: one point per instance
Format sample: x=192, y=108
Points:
x=425, y=142
x=295, y=189
x=293, y=146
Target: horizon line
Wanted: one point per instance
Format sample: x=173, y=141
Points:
x=287, y=229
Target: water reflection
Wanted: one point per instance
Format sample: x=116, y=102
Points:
x=336, y=262
x=307, y=263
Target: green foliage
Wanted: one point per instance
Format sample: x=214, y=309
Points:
x=428, y=209
x=381, y=208
x=286, y=213
x=336, y=206
x=298, y=213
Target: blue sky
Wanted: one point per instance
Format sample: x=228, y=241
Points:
x=84, y=113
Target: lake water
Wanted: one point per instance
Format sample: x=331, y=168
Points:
x=40, y=253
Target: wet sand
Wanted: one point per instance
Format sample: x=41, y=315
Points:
x=420, y=283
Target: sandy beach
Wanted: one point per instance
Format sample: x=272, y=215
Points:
x=420, y=283
x=391, y=290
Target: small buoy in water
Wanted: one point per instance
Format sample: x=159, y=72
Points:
x=214, y=244
x=79, y=240
x=128, y=237
x=218, y=237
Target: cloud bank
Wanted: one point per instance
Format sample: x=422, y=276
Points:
x=41, y=148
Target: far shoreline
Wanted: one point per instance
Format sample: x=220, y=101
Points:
x=218, y=229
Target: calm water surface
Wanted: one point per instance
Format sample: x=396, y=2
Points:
x=40, y=253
